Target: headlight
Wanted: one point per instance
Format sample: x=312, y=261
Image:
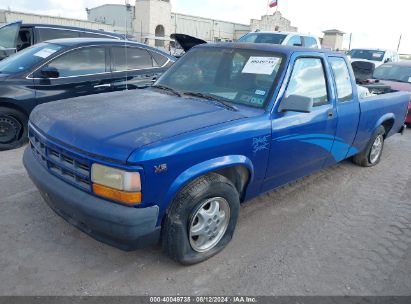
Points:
x=116, y=184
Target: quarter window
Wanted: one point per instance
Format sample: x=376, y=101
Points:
x=80, y=62
x=310, y=42
x=308, y=79
x=342, y=78
x=159, y=60
x=295, y=41
x=125, y=59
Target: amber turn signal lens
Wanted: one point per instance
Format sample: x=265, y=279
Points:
x=131, y=198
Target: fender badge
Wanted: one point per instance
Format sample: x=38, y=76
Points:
x=260, y=143
x=160, y=168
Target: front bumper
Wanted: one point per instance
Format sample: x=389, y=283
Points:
x=120, y=226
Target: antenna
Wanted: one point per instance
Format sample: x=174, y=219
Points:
x=127, y=6
x=399, y=43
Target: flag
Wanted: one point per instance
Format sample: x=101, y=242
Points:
x=273, y=3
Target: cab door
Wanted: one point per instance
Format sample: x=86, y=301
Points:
x=81, y=71
x=348, y=109
x=302, y=142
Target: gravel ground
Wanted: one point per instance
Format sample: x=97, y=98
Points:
x=343, y=231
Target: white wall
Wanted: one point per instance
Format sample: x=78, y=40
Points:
x=114, y=15
x=11, y=16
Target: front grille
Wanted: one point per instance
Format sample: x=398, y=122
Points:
x=58, y=161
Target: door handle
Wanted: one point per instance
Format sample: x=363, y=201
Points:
x=106, y=85
x=330, y=113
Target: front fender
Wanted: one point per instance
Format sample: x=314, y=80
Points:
x=206, y=167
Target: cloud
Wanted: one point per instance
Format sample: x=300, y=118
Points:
x=374, y=23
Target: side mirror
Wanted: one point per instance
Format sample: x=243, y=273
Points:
x=297, y=44
x=387, y=60
x=49, y=72
x=296, y=103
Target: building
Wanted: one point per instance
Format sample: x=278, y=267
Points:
x=154, y=22
x=7, y=16
x=333, y=39
x=120, y=17
x=275, y=22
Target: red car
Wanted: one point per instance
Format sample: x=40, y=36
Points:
x=398, y=76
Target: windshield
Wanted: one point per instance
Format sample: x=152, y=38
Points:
x=263, y=38
x=367, y=55
x=393, y=72
x=8, y=35
x=233, y=75
x=28, y=58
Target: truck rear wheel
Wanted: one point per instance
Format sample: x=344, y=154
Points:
x=371, y=155
x=13, y=128
x=201, y=220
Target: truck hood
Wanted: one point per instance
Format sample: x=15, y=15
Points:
x=113, y=125
x=3, y=76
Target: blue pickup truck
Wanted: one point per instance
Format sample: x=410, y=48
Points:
x=226, y=123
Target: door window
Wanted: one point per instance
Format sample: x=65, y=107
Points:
x=342, y=78
x=49, y=34
x=295, y=41
x=125, y=59
x=84, y=61
x=308, y=79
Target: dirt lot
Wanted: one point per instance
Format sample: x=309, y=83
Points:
x=343, y=231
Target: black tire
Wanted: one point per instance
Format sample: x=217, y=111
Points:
x=13, y=128
x=175, y=233
x=364, y=158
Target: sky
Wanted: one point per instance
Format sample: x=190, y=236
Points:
x=373, y=23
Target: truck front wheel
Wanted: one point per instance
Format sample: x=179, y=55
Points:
x=201, y=220
x=372, y=153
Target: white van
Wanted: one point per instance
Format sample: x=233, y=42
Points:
x=376, y=56
x=283, y=38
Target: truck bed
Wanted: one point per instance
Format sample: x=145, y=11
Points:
x=376, y=109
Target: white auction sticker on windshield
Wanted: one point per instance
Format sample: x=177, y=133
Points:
x=260, y=65
x=44, y=53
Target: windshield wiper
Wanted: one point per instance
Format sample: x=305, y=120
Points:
x=166, y=88
x=214, y=98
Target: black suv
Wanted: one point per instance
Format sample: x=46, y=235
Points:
x=65, y=68
x=17, y=36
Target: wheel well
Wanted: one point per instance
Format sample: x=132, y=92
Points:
x=388, y=124
x=238, y=175
x=13, y=106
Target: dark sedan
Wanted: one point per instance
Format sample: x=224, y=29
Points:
x=65, y=68
x=398, y=76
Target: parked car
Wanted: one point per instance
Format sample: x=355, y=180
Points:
x=17, y=36
x=60, y=69
x=224, y=124
x=282, y=38
x=376, y=56
x=398, y=76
